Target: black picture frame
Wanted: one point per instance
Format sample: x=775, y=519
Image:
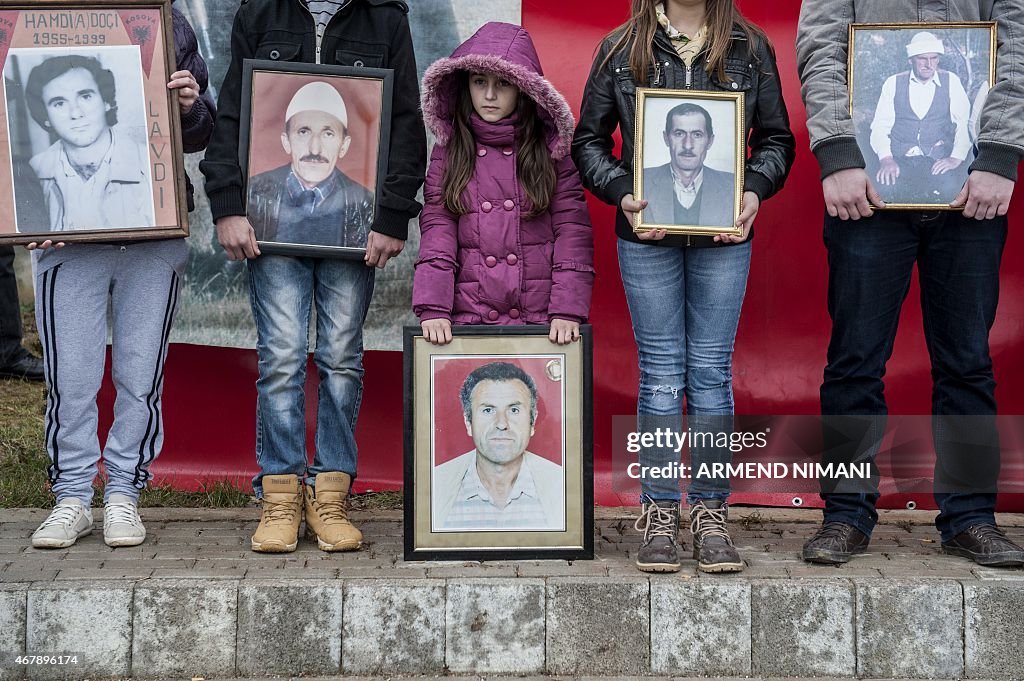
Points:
x=385, y=77
x=478, y=345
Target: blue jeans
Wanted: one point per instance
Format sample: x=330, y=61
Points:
x=282, y=291
x=685, y=306
x=870, y=266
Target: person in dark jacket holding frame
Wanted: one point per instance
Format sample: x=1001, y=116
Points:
x=355, y=33
x=684, y=292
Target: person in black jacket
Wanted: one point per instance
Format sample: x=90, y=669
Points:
x=355, y=33
x=684, y=292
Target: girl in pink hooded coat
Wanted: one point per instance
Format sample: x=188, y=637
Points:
x=505, y=233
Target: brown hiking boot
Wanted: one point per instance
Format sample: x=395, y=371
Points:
x=712, y=546
x=327, y=513
x=659, y=522
x=278, y=531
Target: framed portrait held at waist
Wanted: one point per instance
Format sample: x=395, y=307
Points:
x=498, y=445
x=93, y=135
x=690, y=153
x=916, y=95
x=314, y=149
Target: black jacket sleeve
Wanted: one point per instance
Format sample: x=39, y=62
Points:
x=772, y=145
x=607, y=177
x=221, y=166
x=407, y=155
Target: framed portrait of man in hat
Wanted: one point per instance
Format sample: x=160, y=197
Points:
x=314, y=145
x=916, y=96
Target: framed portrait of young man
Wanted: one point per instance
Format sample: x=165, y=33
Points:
x=314, y=147
x=916, y=95
x=689, y=160
x=498, y=446
x=92, y=135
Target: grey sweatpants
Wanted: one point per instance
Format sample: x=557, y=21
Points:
x=71, y=311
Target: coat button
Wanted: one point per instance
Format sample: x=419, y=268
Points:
x=274, y=54
x=735, y=85
x=493, y=315
x=507, y=151
x=513, y=313
x=511, y=259
x=481, y=152
x=486, y=206
x=358, y=63
x=491, y=261
x=509, y=205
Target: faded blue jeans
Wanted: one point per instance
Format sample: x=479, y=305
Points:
x=685, y=306
x=283, y=290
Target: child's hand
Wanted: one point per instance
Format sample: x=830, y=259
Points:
x=437, y=331
x=46, y=244
x=563, y=331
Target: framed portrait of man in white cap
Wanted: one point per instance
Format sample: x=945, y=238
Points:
x=916, y=94
x=314, y=144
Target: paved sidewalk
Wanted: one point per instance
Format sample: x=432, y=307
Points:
x=215, y=543
x=194, y=601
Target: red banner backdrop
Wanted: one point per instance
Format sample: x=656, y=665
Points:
x=780, y=349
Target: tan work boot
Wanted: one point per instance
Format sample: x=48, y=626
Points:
x=282, y=513
x=327, y=513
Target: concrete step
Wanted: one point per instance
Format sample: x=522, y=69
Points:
x=193, y=601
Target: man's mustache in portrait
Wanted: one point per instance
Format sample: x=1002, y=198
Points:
x=313, y=158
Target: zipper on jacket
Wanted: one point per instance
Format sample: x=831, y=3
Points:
x=317, y=37
x=689, y=76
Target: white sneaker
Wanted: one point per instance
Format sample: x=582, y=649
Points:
x=68, y=521
x=122, y=525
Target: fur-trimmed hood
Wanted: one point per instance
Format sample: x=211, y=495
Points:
x=505, y=50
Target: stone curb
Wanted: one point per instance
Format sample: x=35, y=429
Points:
x=665, y=625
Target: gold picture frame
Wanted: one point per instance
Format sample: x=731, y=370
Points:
x=879, y=70
x=460, y=420
x=718, y=199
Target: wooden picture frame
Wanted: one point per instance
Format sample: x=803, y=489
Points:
x=706, y=165
x=494, y=399
x=909, y=155
x=101, y=158
x=314, y=196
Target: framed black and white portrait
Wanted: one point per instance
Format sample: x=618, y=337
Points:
x=689, y=161
x=92, y=133
x=916, y=96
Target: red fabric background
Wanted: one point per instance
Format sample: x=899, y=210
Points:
x=780, y=349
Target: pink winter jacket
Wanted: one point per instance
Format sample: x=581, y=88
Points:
x=491, y=266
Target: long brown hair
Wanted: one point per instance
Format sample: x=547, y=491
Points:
x=636, y=36
x=535, y=168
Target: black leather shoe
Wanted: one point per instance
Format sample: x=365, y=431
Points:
x=985, y=545
x=835, y=543
x=660, y=524
x=23, y=365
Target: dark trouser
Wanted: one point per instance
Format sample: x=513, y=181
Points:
x=870, y=266
x=916, y=184
x=10, y=312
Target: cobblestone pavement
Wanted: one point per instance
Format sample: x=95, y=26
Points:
x=208, y=543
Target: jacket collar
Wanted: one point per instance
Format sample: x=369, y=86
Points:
x=123, y=161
